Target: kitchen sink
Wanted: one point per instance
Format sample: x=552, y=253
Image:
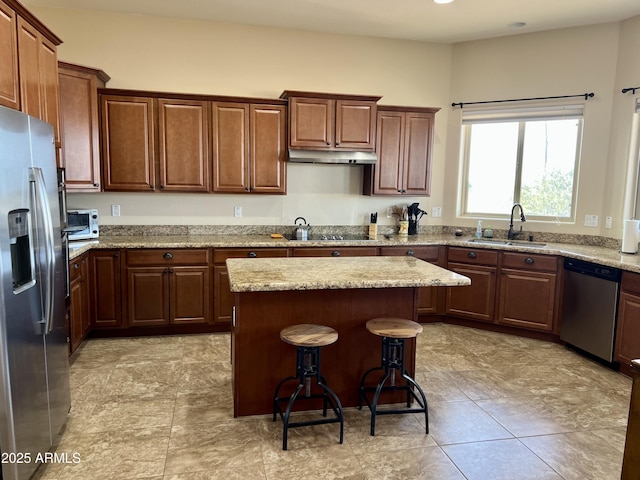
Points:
x=513, y=243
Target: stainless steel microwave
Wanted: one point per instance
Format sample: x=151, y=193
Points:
x=83, y=224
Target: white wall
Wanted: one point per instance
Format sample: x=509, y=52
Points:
x=175, y=55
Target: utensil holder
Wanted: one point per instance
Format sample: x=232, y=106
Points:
x=413, y=227
x=403, y=227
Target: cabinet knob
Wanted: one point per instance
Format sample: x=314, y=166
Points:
x=168, y=255
x=335, y=253
x=76, y=266
x=161, y=187
x=151, y=186
x=410, y=253
x=252, y=254
x=472, y=255
x=97, y=185
x=328, y=143
x=528, y=260
x=247, y=188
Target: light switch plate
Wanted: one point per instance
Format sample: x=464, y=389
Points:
x=436, y=212
x=237, y=212
x=608, y=222
x=115, y=210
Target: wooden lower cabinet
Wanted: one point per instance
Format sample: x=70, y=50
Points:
x=106, y=295
x=528, y=293
x=627, y=345
x=477, y=301
x=222, y=296
x=79, y=317
x=167, y=287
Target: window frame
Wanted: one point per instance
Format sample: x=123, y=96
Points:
x=520, y=115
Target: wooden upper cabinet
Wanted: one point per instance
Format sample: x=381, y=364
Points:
x=321, y=121
x=79, y=125
x=249, y=149
x=268, y=168
x=9, y=80
x=404, y=146
x=29, y=67
x=128, y=146
x=311, y=123
x=355, y=125
x=231, y=147
x=38, y=70
x=183, y=137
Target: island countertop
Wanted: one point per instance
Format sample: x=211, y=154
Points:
x=300, y=273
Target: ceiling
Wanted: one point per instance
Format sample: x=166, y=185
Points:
x=421, y=20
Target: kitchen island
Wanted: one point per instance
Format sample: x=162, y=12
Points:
x=342, y=293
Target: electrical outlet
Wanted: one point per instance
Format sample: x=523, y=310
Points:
x=389, y=212
x=237, y=212
x=591, y=220
x=608, y=222
x=436, y=212
x=115, y=210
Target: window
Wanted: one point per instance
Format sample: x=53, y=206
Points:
x=527, y=156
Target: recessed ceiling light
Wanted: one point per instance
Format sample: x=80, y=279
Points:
x=516, y=25
x=443, y=1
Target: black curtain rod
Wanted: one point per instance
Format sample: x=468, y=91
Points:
x=585, y=95
x=630, y=89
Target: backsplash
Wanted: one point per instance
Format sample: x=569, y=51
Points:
x=157, y=230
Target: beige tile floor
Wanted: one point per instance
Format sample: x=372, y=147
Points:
x=501, y=407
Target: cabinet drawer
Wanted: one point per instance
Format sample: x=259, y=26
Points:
x=167, y=256
x=547, y=263
x=473, y=256
x=430, y=254
x=219, y=256
x=631, y=282
x=336, y=252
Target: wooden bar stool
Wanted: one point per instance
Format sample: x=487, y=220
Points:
x=394, y=332
x=308, y=339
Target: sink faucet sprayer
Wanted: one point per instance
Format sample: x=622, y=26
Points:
x=513, y=234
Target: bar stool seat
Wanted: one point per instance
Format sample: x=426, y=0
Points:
x=394, y=333
x=308, y=340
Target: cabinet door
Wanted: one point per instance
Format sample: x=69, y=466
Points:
x=230, y=147
x=628, y=329
x=79, y=130
x=387, y=173
x=147, y=296
x=418, y=144
x=9, y=80
x=190, y=298
x=268, y=148
x=29, y=68
x=477, y=300
x=50, y=92
x=311, y=122
x=79, y=301
x=527, y=299
x=355, y=125
x=222, y=296
x=106, y=296
x=128, y=143
x=183, y=135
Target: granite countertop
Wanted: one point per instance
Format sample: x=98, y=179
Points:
x=322, y=273
x=601, y=255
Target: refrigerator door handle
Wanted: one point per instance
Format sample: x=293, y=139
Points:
x=43, y=209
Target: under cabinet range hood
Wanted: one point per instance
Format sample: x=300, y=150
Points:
x=332, y=157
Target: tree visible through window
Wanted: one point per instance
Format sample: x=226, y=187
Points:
x=527, y=159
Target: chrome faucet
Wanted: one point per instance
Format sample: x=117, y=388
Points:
x=513, y=234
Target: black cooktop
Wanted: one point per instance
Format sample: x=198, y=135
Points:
x=330, y=237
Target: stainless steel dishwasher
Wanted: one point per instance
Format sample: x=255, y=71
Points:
x=589, y=307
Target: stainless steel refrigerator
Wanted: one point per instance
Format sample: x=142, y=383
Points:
x=34, y=365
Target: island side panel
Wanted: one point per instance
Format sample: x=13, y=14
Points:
x=260, y=359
